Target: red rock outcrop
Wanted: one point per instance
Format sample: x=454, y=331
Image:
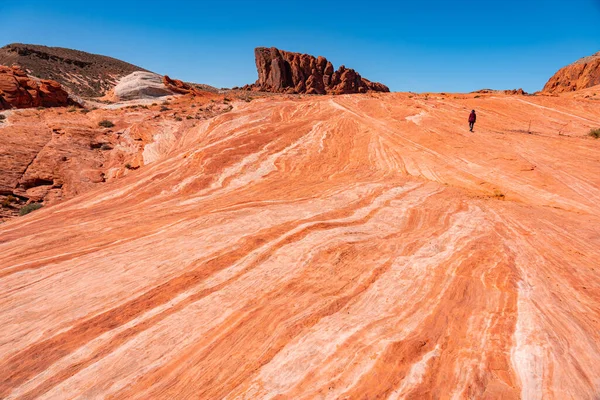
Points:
x=181, y=87
x=286, y=72
x=18, y=90
x=519, y=91
x=55, y=154
x=582, y=74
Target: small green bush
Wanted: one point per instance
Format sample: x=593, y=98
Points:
x=189, y=117
x=106, y=124
x=29, y=208
x=595, y=133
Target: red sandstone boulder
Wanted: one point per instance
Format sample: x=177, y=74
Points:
x=285, y=72
x=18, y=90
x=181, y=87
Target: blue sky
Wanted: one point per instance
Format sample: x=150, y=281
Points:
x=427, y=45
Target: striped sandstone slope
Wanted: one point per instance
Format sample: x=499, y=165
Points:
x=362, y=246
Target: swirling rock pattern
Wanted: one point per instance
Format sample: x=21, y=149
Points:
x=353, y=247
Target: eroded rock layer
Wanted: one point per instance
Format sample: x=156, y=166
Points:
x=282, y=71
x=356, y=247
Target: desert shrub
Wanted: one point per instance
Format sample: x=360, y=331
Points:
x=7, y=200
x=2, y=117
x=105, y=146
x=85, y=111
x=178, y=119
x=499, y=195
x=71, y=109
x=29, y=208
x=128, y=166
x=106, y=124
x=189, y=117
x=41, y=108
x=595, y=133
x=164, y=108
x=477, y=96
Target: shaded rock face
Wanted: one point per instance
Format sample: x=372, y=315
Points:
x=285, y=72
x=18, y=90
x=582, y=74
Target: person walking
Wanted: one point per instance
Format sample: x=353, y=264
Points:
x=472, y=119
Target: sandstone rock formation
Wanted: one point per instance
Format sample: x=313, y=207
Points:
x=519, y=91
x=286, y=72
x=180, y=87
x=55, y=154
x=141, y=85
x=18, y=90
x=349, y=247
x=582, y=74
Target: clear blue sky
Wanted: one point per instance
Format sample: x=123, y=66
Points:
x=427, y=45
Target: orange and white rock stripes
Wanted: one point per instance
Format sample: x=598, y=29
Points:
x=332, y=247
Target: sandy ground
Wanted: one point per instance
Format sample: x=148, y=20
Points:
x=360, y=247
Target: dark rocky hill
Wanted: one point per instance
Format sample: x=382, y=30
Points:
x=83, y=74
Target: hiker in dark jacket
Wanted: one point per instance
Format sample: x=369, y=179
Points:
x=472, y=119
